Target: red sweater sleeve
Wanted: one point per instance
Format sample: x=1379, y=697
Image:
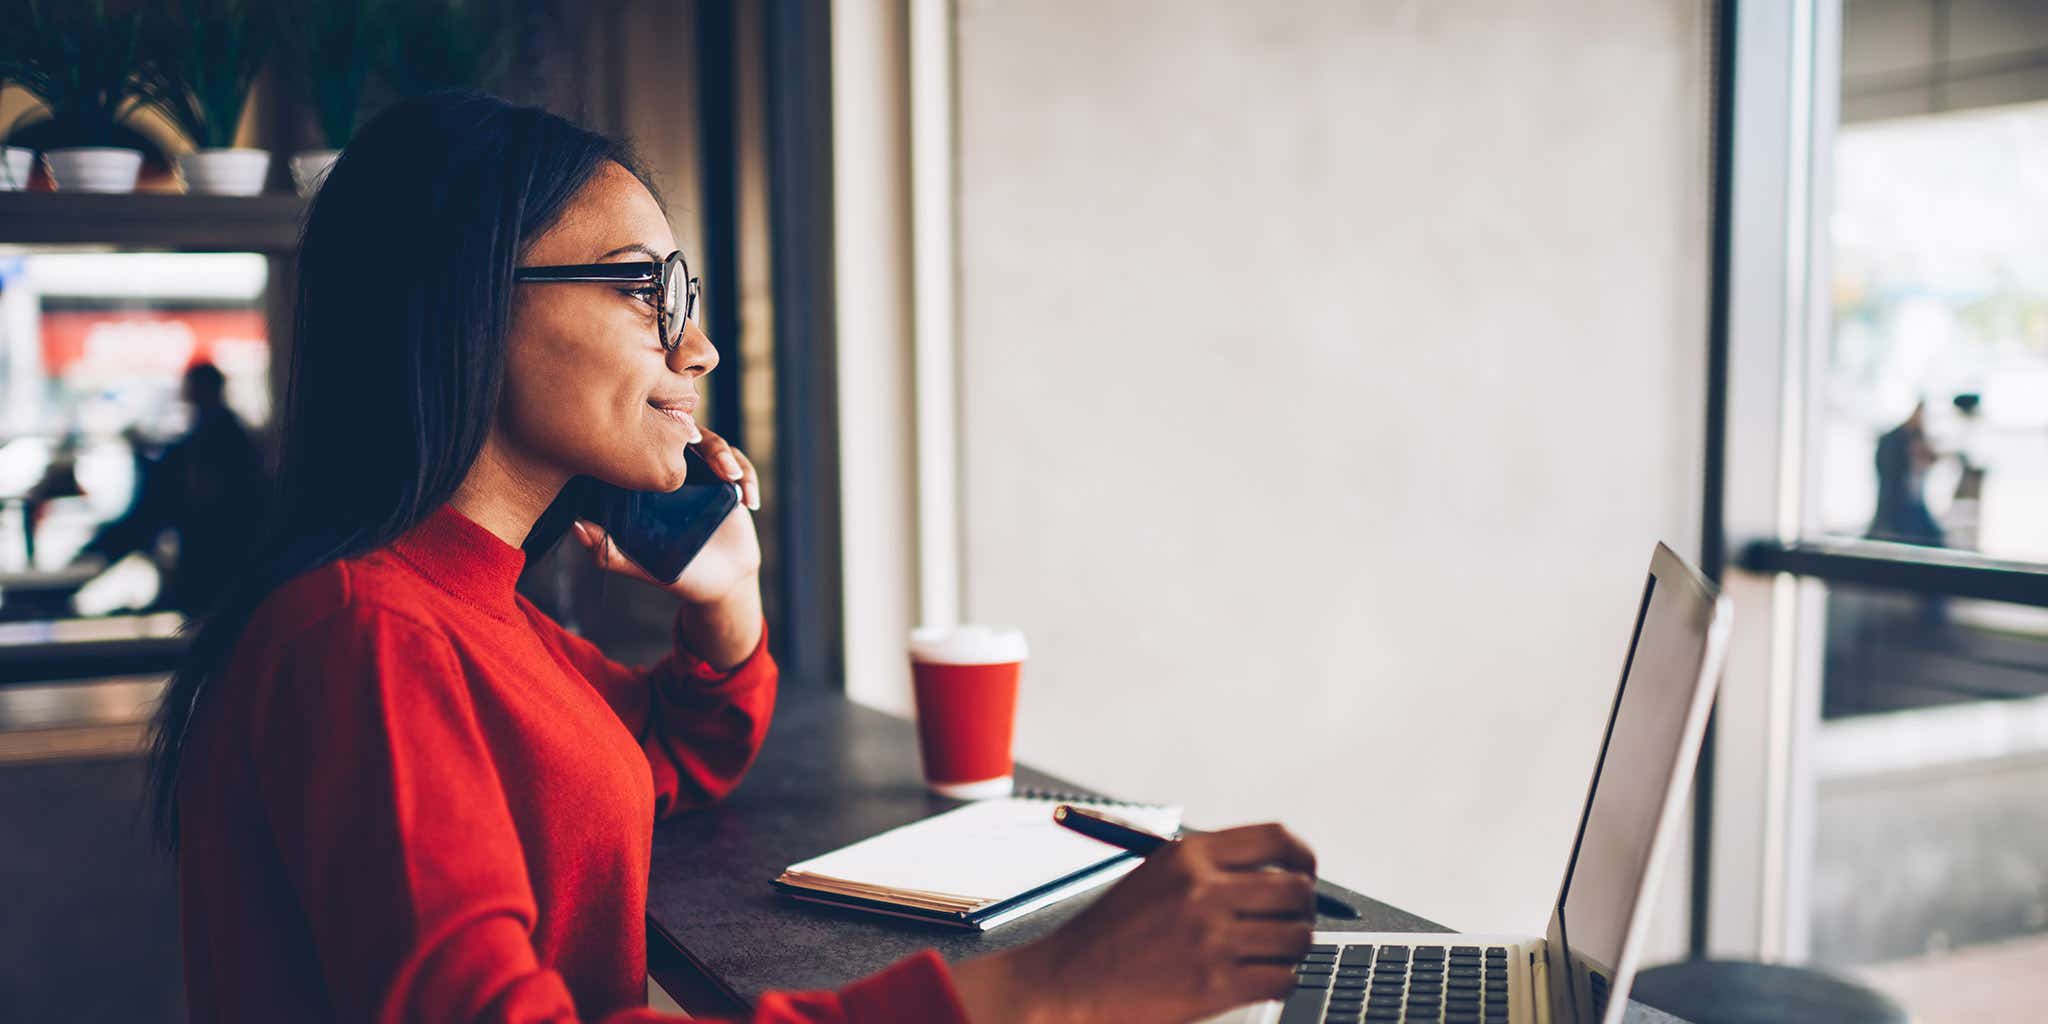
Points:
x=700, y=727
x=392, y=825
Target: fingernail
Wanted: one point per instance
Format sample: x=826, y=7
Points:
x=696, y=436
x=581, y=534
x=732, y=465
x=755, y=504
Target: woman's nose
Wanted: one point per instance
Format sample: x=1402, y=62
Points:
x=694, y=353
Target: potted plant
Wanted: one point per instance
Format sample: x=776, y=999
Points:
x=450, y=44
x=16, y=162
x=88, y=67
x=206, y=61
x=335, y=43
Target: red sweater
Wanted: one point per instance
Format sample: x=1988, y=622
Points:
x=412, y=796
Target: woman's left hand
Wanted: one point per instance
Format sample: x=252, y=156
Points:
x=730, y=560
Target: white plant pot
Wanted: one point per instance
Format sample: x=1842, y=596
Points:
x=309, y=168
x=16, y=164
x=225, y=172
x=93, y=168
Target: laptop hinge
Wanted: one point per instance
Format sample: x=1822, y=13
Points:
x=1539, y=990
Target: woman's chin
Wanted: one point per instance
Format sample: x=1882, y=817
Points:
x=669, y=478
x=662, y=484
x=659, y=479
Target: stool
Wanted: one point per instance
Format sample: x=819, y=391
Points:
x=1739, y=992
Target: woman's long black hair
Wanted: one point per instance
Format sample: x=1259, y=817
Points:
x=397, y=353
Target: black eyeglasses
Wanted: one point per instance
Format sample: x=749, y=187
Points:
x=672, y=305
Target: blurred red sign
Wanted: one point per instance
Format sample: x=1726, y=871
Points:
x=104, y=344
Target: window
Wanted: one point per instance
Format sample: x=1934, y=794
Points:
x=1883, y=736
x=94, y=349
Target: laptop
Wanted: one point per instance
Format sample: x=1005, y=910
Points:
x=1579, y=972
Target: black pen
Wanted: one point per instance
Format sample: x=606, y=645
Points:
x=1096, y=825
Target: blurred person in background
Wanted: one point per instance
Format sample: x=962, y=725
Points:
x=1903, y=457
x=209, y=488
x=59, y=480
x=1964, y=520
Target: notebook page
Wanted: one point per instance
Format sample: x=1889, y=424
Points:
x=987, y=850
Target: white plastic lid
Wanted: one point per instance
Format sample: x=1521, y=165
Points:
x=967, y=645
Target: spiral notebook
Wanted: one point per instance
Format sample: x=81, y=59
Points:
x=978, y=866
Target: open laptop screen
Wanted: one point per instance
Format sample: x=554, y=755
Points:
x=1639, y=760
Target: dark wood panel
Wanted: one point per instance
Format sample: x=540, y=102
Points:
x=90, y=930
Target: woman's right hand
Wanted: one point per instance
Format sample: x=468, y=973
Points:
x=1203, y=925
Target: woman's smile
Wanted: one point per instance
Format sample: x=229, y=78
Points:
x=679, y=414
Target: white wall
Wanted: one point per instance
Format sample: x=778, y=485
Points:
x=876, y=389
x=1327, y=371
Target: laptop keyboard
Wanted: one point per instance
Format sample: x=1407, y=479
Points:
x=1390, y=984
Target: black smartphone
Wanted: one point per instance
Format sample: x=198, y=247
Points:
x=659, y=532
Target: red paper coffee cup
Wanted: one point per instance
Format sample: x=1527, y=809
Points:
x=965, y=678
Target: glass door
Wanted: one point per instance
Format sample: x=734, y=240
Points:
x=1881, y=766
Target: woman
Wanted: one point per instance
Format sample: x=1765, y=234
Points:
x=400, y=792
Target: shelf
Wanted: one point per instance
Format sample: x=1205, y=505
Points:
x=32, y=652
x=153, y=220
